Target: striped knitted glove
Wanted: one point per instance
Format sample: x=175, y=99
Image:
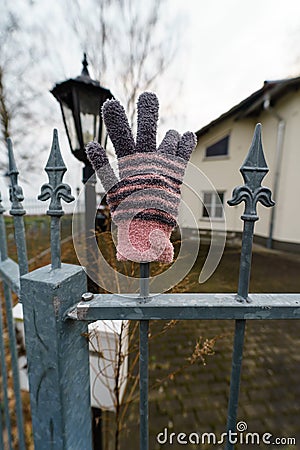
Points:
x=144, y=201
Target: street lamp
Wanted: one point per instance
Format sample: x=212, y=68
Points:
x=80, y=100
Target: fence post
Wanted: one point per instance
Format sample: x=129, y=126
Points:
x=58, y=358
x=57, y=349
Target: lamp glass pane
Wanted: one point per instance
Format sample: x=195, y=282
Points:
x=90, y=127
x=71, y=131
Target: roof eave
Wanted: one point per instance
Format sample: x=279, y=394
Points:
x=253, y=104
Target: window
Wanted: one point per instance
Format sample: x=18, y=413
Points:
x=213, y=205
x=219, y=148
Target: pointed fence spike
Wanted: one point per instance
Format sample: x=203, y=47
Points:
x=253, y=170
x=55, y=160
x=55, y=190
x=255, y=158
x=15, y=191
x=17, y=211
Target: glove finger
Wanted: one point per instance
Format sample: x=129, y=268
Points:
x=186, y=145
x=169, y=143
x=147, y=109
x=98, y=158
x=118, y=128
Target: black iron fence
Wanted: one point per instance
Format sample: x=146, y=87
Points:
x=57, y=310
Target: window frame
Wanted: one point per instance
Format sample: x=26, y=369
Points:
x=217, y=200
x=221, y=156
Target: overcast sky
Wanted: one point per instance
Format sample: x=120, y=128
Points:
x=227, y=48
x=232, y=46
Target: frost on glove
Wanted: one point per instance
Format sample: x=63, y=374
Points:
x=144, y=201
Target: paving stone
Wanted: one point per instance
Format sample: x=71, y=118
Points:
x=270, y=388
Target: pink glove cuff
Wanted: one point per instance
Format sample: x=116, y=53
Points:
x=144, y=241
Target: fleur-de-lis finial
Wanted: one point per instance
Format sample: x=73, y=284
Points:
x=17, y=211
x=15, y=191
x=55, y=190
x=253, y=170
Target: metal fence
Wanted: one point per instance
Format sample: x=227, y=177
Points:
x=56, y=318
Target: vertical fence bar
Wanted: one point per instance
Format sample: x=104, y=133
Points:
x=144, y=377
x=3, y=243
x=240, y=325
x=2, y=419
x=253, y=171
x=7, y=421
x=14, y=365
x=144, y=280
x=144, y=358
x=17, y=211
x=246, y=258
x=11, y=333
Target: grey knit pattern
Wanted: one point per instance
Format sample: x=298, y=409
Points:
x=118, y=128
x=150, y=178
x=147, y=108
x=98, y=158
x=170, y=142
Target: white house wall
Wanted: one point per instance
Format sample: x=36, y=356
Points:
x=287, y=215
x=223, y=172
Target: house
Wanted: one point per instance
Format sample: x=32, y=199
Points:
x=221, y=149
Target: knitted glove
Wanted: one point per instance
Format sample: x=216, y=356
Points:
x=144, y=201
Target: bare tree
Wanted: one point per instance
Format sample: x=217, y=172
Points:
x=8, y=29
x=130, y=43
x=19, y=89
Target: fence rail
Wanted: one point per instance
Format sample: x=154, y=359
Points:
x=188, y=307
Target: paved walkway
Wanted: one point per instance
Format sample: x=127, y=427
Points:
x=196, y=399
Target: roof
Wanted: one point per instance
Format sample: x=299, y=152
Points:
x=254, y=104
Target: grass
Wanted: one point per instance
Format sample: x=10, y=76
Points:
x=37, y=231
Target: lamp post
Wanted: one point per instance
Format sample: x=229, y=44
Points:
x=80, y=100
